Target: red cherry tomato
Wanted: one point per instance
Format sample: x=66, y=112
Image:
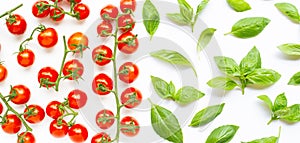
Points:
x=104, y=29
x=83, y=11
x=73, y=69
x=126, y=5
x=26, y=137
x=3, y=72
x=128, y=72
x=34, y=114
x=126, y=23
x=47, y=74
x=78, y=133
x=129, y=126
x=131, y=97
x=56, y=14
x=16, y=24
x=53, y=110
x=101, y=55
x=109, y=12
x=77, y=99
x=102, y=84
x=77, y=40
x=76, y=1
x=21, y=94
x=48, y=38
x=26, y=58
x=128, y=43
x=58, y=129
x=12, y=125
x=40, y=10
x=1, y=108
x=101, y=138
x=56, y=0
x=105, y=119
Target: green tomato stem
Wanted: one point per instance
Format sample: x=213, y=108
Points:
x=62, y=64
x=10, y=11
x=40, y=28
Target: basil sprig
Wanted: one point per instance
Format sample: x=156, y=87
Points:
x=239, y=5
x=223, y=134
x=151, y=17
x=289, y=10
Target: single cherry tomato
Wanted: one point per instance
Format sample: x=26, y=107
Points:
x=76, y=1
x=1, y=108
x=78, y=133
x=12, y=125
x=101, y=55
x=34, y=114
x=53, y=109
x=126, y=23
x=58, y=129
x=56, y=0
x=46, y=75
x=3, y=72
x=129, y=126
x=126, y=5
x=26, y=137
x=78, y=41
x=40, y=9
x=21, y=94
x=101, y=138
x=104, y=29
x=77, y=99
x=83, y=11
x=109, y=12
x=48, y=38
x=105, y=119
x=128, y=72
x=102, y=84
x=128, y=43
x=73, y=69
x=26, y=58
x=56, y=14
x=131, y=97
x=16, y=24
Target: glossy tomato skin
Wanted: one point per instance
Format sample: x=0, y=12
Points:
x=73, y=69
x=26, y=58
x=58, y=130
x=77, y=99
x=131, y=97
x=109, y=12
x=77, y=39
x=1, y=108
x=128, y=43
x=47, y=73
x=53, y=111
x=22, y=94
x=104, y=29
x=34, y=114
x=104, y=51
x=12, y=125
x=83, y=10
x=16, y=26
x=76, y=1
x=78, y=133
x=56, y=0
x=126, y=23
x=101, y=138
x=3, y=73
x=128, y=72
x=102, y=80
x=26, y=137
x=105, y=119
x=40, y=14
x=48, y=38
x=126, y=5
x=128, y=120
x=56, y=14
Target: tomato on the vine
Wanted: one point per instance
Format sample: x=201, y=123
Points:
x=76, y=1
x=39, y=9
x=105, y=119
x=56, y=14
x=53, y=109
x=20, y=93
x=126, y=5
x=83, y=11
x=78, y=133
x=77, y=99
x=12, y=124
x=56, y=0
x=109, y=12
x=78, y=41
x=102, y=84
x=126, y=23
x=34, y=114
x=129, y=126
x=101, y=55
x=73, y=69
x=128, y=43
x=101, y=138
x=48, y=38
x=131, y=97
x=1, y=108
x=16, y=24
x=58, y=128
x=3, y=72
x=26, y=137
x=26, y=58
x=104, y=29
x=46, y=75
x=128, y=72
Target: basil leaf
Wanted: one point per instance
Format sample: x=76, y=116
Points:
x=271, y=139
x=280, y=102
x=206, y=115
x=267, y=100
x=151, y=17
x=172, y=89
x=263, y=77
x=187, y=94
x=161, y=87
x=186, y=10
x=290, y=49
x=292, y=114
x=222, y=83
x=251, y=61
x=205, y=38
x=239, y=5
x=200, y=7
x=165, y=124
x=178, y=18
x=289, y=10
x=223, y=134
x=227, y=65
x=295, y=79
x=249, y=27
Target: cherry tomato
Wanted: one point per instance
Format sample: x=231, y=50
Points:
x=76, y=1
x=73, y=69
x=78, y=133
x=48, y=38
x=126, y=23
x=56, y=14
x=102, y=84
x=58, y=129
x=21, y=94
x=101, y=138
x=26, y=137
x=126, y=5
x=129, y=126
x=1, y=108
x=53, y=109
x=105, y=119
x=131, y=97
x=56, y=0
x=12, y=125
x=77, y=99
x=104, y=29
x=26, y=58
x=3, y=72
x=39, y=9
x=100, y=53
x=16, y=24
x=34, y=114
x=128, y=72
x=83, y=11
x=109, y=12
x=47, y=74
x=128, y=43
x=78, y=40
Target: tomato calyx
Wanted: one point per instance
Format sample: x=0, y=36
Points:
x=10, y=11
x=67, y=111
x=131, y=127
x=129, y=41
x=132, y=99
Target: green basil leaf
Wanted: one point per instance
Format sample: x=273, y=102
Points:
x=266, y=100
x=172, y=89
x=295, y=79
x=161, y=87
x=178, y=18
x=239, y=5
x=151, y=17
x=206, y=115
x=205, y=38
x=249, y=27
x=271, y=139
x=251, y=61
x=292, y=114
x=222, y=83
x=187, y=94
x=223, y=134
x=227, y=65
x=200, y=7
x=290, y=49
x=280, y=102
x=263, y=77
x=165, y=124
x=289, y=10
x=186, y=10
